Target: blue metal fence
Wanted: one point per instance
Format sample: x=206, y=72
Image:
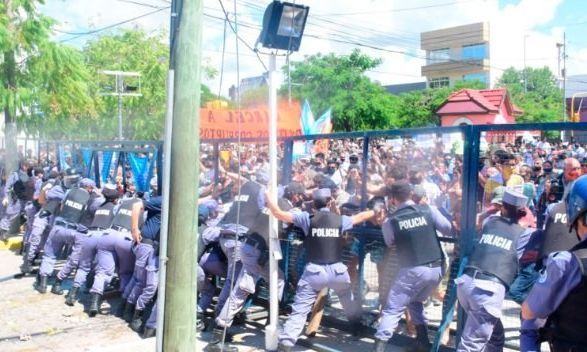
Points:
x=368, y=254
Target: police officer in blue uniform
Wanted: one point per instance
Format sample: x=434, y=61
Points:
x=236, y=223
x=32, y=207
x=559, y=294
x=144, y=282
x=253, y=253
x=65, y=229
x=19, y=189
x=41, y=221
x=412, y=228
x=553, y=238
x=323, y=243
x=491, y=270
x=114, y=254
x=102, y=220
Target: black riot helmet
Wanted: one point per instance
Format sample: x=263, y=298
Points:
x=71, y=178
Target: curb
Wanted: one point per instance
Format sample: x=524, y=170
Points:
x=11, y=243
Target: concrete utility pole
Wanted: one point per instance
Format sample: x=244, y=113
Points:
x=564, y=75
x=525, y=68
x=179, y=331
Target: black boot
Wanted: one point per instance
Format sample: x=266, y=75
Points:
x=94, y=304
x=120, y=310
x=128, y=312
x=41, y=284
x=56, y=289
x=149, y=332
x=283, y=348
x=380, y=345
x=26, y=266
x=215, y=344
x=137, y=321
x=356, y=327
x=422, y=342
x=72, y=296
x=200, y=325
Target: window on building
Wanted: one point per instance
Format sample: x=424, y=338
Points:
x=480, y=76
x=475, y=52
x=439, y=82
x=438, y=56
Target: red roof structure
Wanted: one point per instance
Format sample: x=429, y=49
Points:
x=478, y=107
x=474, y=101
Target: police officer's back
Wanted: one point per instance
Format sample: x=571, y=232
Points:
x=491, y=270
x=560, y=292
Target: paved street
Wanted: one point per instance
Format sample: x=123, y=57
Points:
x=30, y=322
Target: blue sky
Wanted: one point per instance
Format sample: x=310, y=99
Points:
x=390, y=25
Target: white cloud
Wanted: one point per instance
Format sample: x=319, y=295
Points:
x=381, y=23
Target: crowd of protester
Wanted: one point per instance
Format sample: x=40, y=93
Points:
x=540, y=169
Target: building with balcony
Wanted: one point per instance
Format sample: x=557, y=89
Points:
x=456, y=54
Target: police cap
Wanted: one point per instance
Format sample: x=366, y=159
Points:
x=419, y=191
x=327, y=183
x=262, y=177
x=109, y=191
x=514, y=198
x=294, y=188
x=86, y=182
x=322, y=193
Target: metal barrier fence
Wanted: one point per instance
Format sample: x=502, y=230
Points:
x=371, y=264
x=139, y=161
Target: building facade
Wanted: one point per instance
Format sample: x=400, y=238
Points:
x=457, y=54
x=246, y=84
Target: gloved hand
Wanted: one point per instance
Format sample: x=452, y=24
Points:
x=5, y=202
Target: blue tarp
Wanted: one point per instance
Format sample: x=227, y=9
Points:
x=140, y=170
x=106, y=161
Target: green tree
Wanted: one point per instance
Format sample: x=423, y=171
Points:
x=418, y=109
x=339, y=82
x=41, y=79
x=542, y=100
x=255, y=96
x=137, y=51
x=129, y=50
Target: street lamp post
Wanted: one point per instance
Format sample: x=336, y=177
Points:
x=283, y=27
x=123, y=90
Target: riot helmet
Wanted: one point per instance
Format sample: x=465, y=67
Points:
x=71, y=178
x=577, y=201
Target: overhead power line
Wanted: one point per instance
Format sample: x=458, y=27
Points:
x=239, y=37
x=395, y=10
x=94, y=31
